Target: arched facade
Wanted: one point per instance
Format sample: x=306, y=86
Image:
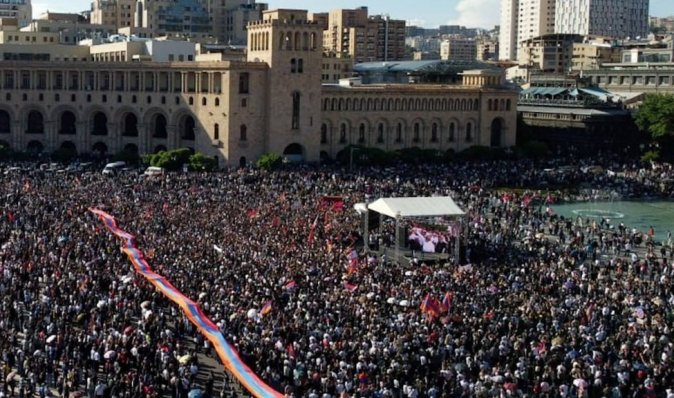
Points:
x=148, y=107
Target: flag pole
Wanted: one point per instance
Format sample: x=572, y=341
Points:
x=397, y=237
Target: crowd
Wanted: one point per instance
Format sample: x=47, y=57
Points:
x=549, y=307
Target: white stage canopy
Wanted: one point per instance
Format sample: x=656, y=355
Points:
x=434, y=206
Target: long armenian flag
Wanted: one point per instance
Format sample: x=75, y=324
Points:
x=228, y=355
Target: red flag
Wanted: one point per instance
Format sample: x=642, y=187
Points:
x=165, y=207
x=350, y=287
x=290, y=285
x=312, y=231
x=251, y=213
x=353, y=262
x=266, y=308
x=447, y=301
x=526, y=200
x=10, y=216
x=291, y=351
x=275, y=222
x=430, y=306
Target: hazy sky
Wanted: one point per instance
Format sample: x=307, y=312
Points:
x=428, y=13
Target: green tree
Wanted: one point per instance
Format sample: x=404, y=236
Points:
x=201, y=162
x=269, y=161
x=656, y=115
x=170, y=160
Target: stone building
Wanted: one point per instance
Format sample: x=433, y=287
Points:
x=238, y=110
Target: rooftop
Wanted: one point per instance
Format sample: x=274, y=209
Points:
x=429, y=66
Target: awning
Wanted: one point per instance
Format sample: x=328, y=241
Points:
x=435, y=206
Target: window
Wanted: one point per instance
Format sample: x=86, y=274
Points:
x=452, y=129
x=399, y=133
x=295, y=123
x=216, y=131
x=300, y=65
x=342, y=134
x=380, y=134
x=417, y=133
x=434, y=133
x=469, y=132
x=361, y=134
x=244, y=82
x=243, y=133
x=293, y=65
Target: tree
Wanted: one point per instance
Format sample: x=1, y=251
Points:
x=201, y=162
x=656, y=115
x=269, y=161
x=170, y=160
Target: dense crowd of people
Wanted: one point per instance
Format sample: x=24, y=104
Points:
x=548, y=307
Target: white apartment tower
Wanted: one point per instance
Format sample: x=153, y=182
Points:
x=522, y=20
x=508, y=34
x=613, y=18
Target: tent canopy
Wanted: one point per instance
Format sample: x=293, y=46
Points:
x=435, y=206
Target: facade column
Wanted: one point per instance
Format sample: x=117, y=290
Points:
x=17, y=133
x=143, y=139
x=51, y=135
x=115, y=139
x=172, y=136
x=83, y=138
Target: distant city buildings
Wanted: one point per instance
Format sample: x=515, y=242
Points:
x=195, y=20
x=355, y=34
x=522, y=20
x=22, y=10
x=461, y=49
x=662, y=25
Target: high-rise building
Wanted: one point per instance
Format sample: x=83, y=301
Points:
x=352, y=33
x=119, y=13
x=22, y=10
x=613, y=18
x=522, y=20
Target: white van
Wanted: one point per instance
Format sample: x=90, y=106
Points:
x=113, y=168
x=154, y=171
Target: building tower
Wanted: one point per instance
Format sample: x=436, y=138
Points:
x=522, y=20
x=508, y=34
x=291, y=46
x=613, y=18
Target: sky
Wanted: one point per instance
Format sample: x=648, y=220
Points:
x=426, y=13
